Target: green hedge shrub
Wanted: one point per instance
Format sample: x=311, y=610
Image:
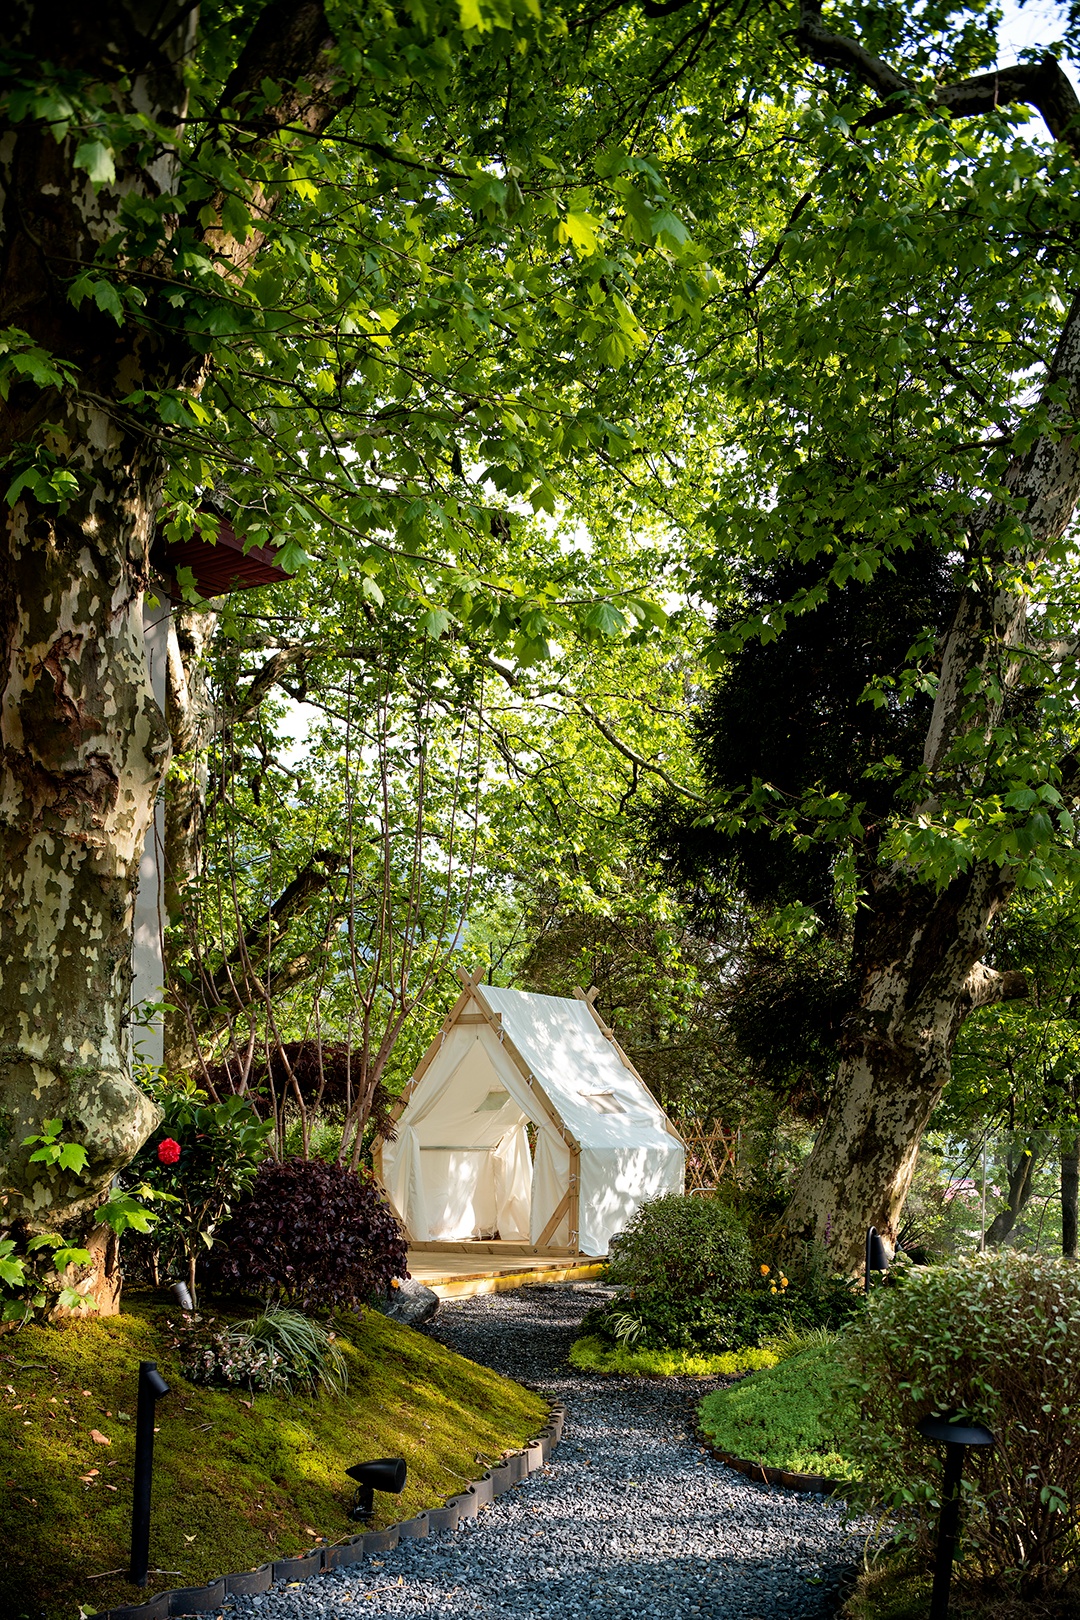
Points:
x=682, y=1246
x=687, y=1283
x=996, y=1338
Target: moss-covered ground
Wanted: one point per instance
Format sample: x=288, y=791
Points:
x=593, y=1354
x=786, y=1417
x=895, y=1591
x=238, y=1479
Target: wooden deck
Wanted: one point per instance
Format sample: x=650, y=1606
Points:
x=457, y=1270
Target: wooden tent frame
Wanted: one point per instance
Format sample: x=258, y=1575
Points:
x=570, y=1203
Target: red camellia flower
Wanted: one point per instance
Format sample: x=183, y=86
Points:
x=168, y=1151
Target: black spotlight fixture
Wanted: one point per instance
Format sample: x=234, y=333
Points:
x=387, y=1474
x=957, y=1437
x=877, y=1258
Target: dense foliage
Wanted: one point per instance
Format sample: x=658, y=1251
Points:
x=996, y=1338
x=677, y=1245
x=313, y=1233
x=203, y=1157
x=279, y=1349
x=687, y=1282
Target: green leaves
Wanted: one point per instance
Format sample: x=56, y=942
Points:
x=57, y=1154
x=96, y=159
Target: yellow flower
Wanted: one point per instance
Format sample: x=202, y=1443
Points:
x=772, y=1288
x=764, y=1271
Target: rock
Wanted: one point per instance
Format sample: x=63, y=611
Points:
x=410, y=1302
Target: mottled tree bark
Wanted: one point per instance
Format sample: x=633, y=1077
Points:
x=917, y=954
x=83, y=744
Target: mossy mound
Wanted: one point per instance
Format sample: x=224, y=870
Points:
x=786, y=1417
x=593, y=1354
x=238, y=1479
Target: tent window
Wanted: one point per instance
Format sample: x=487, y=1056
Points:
x=493, y=1102
x=605, y=1102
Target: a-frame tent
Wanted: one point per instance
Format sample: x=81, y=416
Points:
x=526, y=1121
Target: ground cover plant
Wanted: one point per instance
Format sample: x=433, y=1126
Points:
x=996, y=1337
x=278, y=1349
x=593, y=1354
x=239, y=1478
x=787, y=1416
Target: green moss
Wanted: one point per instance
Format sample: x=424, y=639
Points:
x=592, y=1354
x=783, y=1417
x=889, y=1593
x=238, y=1479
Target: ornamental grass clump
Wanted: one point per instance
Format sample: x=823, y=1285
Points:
x=996, y=1339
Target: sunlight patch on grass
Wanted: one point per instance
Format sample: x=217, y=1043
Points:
x=785, y=1417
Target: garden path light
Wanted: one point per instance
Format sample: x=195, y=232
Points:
x=957, y=1437
x=151, y=1388
x=386, y=1474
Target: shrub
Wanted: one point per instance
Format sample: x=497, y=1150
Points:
x=219, y=1355
x=687, y=1284
x=313, y=1233
x=997, y=1339
x=203, y=1157
x=679, y=1245
x=308, y=1348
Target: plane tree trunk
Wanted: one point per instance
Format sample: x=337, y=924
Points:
x=919, y=976
x=917, y=962
x=83, y=744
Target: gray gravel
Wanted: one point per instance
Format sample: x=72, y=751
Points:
x=631, y=1520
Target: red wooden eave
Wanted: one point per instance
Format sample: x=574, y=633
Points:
x=219, y=569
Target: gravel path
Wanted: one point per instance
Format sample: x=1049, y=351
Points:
x=631, y=1520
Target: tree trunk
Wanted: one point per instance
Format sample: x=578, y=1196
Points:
x=920, y=975
x=1021, y=1171
x=918, y=967
x=1070, y=1190
x=83, y=744
x=192, y=724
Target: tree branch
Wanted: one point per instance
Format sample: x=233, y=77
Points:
x=1043, y=85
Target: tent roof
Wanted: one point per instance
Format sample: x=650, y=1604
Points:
x=590, y=1085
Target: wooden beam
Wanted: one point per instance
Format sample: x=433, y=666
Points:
x=561, y=1208
x=573, y=1193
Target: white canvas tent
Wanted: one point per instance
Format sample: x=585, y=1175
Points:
x=526, y=1120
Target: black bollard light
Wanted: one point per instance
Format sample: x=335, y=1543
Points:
x=387, y=1474
x=957, y=1437
x=182, y=1295
x=151, y=1388
x=877, y=1258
